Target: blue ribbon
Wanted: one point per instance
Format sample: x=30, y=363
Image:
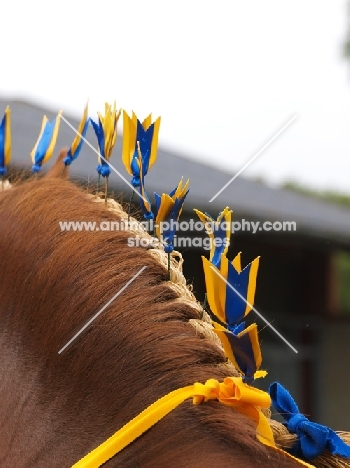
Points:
x=219, y=233
x=103, y=168
x=169, y=234
x=144, y=137
x=235, y=306
x=43, y=145
x=243, y=352
x=4, y=122
x=313, y=438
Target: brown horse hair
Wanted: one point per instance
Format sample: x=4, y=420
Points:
x=57, y=407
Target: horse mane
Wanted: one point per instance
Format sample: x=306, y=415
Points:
x=149, y=341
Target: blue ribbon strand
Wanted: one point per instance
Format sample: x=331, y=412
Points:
x=220, y=234
x=43, y=145
x=168, y=233
x=243, y=352
x=103, y=168
x=313, y=438
x=235, y=306
x=144, y=137
x=145, y=203
x=3, y=125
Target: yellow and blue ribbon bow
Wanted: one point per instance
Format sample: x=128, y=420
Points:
x=46, y=142
x=146, y=133
x=106, y=133
x=219, y=232
x=313, y=438
x=242, y=348
x=169, y=208
x=230, y=306
x=5, y=142
x=78, y=141
x=230, y=290
x=230, y=294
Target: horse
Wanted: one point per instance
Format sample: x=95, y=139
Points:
x=152, y=339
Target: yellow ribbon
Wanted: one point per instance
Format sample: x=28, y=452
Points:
x=232, y=392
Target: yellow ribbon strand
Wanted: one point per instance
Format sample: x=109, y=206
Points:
x=52, y=144
x=216, y=288
x=232, y=392
x=77, y=137
x=135, y=428
x=43, y=124
x=109, y=124
x=302, y=462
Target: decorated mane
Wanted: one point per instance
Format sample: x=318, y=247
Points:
x=154, y=340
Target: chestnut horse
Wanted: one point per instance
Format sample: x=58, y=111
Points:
x=56, y=407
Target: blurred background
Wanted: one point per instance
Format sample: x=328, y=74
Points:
x=225, y=77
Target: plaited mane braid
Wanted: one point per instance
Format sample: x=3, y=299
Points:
x=178, y=282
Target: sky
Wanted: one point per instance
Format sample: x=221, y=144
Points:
x=225, y=76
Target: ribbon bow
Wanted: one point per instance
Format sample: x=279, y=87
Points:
x=240, y=396
x=146, y=135
x=78, y=141
x=313, y=438
x=169, y=208
x=241, y=346
x=231, y=392
x=46, y=142
x=106, y=133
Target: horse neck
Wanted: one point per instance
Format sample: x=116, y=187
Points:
x=141, y=348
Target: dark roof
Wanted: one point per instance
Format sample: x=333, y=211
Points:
x=252, y=200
